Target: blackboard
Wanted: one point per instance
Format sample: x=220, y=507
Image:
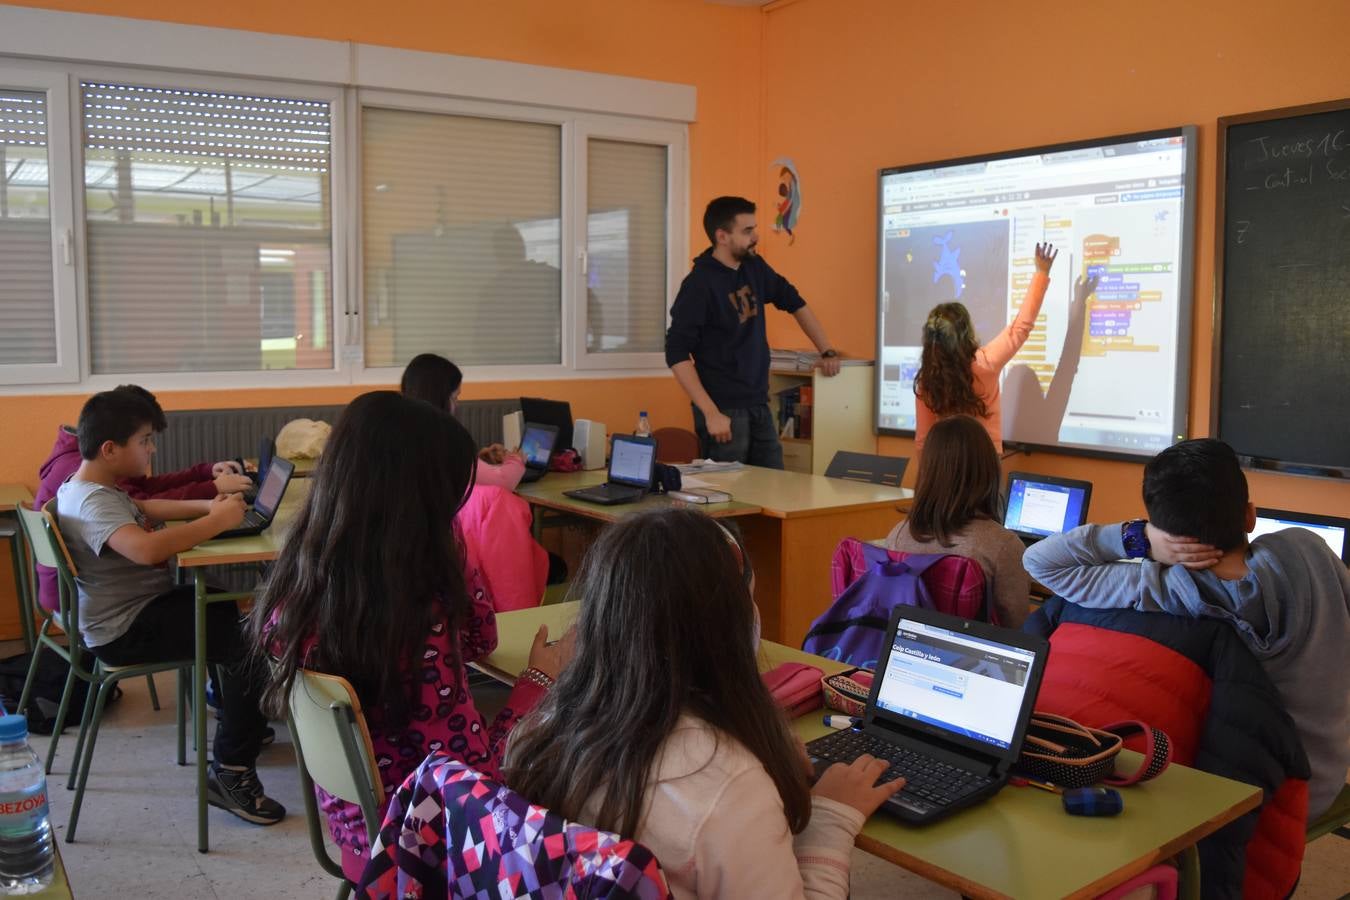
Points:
x=1283, y=277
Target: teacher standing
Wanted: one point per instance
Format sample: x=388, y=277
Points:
x=717, y=347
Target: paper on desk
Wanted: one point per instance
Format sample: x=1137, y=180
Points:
x=689, y=481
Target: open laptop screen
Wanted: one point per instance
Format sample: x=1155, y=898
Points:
x=631, y=461
x=537, y=445
x=966, y=685
x=1329, y=528
x=273, y=486
x=1040, y=506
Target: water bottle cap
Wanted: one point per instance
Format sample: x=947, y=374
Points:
x=642, y=413
x=13, y=728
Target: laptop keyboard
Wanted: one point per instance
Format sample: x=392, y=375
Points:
x=930, y=784
x=252, y=519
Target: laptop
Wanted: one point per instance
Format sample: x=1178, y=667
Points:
x=631, y=462
x=1331, y=529
x=259, y=516
x=536, y=444
x=1042, y=505
x=949, y=711
x=549, y=412
x=267, y=448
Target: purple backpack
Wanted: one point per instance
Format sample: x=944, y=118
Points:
x=853, y=629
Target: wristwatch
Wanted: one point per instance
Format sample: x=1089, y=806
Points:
x=829, y=354
x=1134, y=536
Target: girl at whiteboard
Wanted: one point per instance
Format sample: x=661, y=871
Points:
x=957, y=376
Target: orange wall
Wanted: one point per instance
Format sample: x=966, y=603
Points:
x=857, y=87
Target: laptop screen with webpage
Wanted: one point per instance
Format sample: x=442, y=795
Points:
x=631, y=461
x=1039, y=506
x=969, y=687
x=1331, y=529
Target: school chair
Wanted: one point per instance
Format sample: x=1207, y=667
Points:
x=675, y=445
x=1334, y=820
x=1162, y=878
x=869, y=468
x=334, y=752
x=49, y=549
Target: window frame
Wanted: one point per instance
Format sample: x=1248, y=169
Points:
x=66, y=313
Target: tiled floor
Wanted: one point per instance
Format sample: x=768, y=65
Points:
x=137, y=833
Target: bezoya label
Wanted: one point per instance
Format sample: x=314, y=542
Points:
x=22, y=811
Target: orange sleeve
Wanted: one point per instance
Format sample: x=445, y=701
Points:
x=1002, y=348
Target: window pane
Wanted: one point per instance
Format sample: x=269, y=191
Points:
x=625, y=247
x=27, y=291
x=208, y=216
x=461, y=238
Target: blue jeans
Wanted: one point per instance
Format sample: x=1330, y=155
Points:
x=754, y=438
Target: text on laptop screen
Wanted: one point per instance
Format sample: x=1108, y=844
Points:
x=631, y=462
x=967, y=685
x=1332, y=534
x=1041, y=508
x=269, y=495
x=537, y=447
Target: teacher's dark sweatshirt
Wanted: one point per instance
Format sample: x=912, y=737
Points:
x=718, y=320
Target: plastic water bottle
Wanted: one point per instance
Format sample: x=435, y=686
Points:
x=26, y=853
x=644, y=426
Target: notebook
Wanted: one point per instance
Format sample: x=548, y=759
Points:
x=1331, y=529
x=1042, y=505
x=631, y=461
x=259, y=516
x=948, y=710
x=536, y=445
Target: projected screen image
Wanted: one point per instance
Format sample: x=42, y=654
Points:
x=1108, y=374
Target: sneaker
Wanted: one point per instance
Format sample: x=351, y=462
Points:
x=239, y=791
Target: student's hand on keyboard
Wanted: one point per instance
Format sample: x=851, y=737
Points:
x=856, y=785
x=233, y=483
x=227, y=510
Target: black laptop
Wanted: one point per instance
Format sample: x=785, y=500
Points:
x=536, y=445
x=264, y=508
x=949, y=709
x=631, y=462
x=1042, y=505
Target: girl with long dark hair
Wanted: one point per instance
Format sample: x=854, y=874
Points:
x=662, y=730
x=372, y=585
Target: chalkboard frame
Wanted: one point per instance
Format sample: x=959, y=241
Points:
x=1249, y=461
x=1181, y=419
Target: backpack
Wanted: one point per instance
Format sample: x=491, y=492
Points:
x=853, y=629
x=956, y=583
x=48, y=682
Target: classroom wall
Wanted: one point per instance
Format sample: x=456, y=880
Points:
x=714, y=48
x=853, y=88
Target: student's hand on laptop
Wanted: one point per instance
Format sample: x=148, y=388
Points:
x=224, y=466
x=856, y=785
x=493, y=454
x=1171, y=550
x=552, y=658
x=227, y=510
x=232, y=483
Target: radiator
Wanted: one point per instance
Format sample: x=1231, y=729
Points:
x=209, y=435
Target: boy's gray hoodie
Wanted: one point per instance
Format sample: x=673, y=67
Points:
x=1292, y=610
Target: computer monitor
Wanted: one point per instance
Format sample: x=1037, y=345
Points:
x=1331, y=529
x=1042, y=505
x=550, y=412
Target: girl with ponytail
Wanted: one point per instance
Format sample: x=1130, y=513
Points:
x=959, y=377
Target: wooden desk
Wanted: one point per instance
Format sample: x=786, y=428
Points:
x=11, y=497
x=791, y=523
x=1020, y=843
x=228, y=551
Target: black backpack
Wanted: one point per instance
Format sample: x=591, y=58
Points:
x=48, y=683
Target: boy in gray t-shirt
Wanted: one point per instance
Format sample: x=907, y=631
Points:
x=129, y=610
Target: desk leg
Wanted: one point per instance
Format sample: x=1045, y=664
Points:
x=199, y=702
x=537, y=522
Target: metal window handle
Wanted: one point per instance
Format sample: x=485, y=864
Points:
x=67, y=240
x=585, y=260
